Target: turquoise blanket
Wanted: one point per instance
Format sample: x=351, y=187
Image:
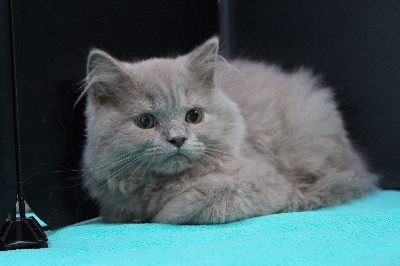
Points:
x=365, y=231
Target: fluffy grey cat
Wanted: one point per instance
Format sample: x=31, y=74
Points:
x=189, y=140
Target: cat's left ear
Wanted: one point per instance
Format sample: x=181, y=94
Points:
x=202, y=61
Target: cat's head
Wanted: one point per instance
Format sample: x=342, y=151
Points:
x=162, y=115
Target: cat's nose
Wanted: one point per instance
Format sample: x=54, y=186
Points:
x=177, y=141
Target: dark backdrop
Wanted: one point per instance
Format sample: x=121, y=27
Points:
x=354, y=44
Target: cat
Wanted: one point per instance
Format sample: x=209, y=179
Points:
x=194, y=140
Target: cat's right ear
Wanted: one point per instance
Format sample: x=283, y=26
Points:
x=105, y=77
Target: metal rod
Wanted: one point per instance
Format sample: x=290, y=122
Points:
x=21, y=201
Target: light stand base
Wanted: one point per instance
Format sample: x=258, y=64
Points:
x=22, y=233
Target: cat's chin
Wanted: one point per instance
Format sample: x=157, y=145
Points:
x=173, y=165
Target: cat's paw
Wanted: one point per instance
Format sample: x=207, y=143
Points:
x=182, y=209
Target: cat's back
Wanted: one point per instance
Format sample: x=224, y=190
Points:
x=258, y=87
x=290, y=116
x=268, y=96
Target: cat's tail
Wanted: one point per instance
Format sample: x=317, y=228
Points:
x=332, y=189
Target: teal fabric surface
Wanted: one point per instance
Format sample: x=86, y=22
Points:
x=362, y=232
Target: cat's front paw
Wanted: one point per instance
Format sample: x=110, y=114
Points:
x=182, y=209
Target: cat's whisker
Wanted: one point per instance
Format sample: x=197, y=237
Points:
x=117, y=161
x=142, y=177
x=129, y=164
x=144, y=172
x=129, y=153
x=77, y=184
x=215, y=144
x=137, y=168
x=110, y=179
x=125, y=156
x=220, y=152
x=110, y=166
x=205, y=161
x=67, y=170
x=46, y=172
x=209, y=156
x=219, y=148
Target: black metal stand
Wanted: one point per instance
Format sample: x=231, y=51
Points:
x=20, y=233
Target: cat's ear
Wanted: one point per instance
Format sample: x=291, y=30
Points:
x=105, y=78
x=202, y=60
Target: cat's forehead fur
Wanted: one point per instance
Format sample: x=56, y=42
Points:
x=165, y=86
x=158, y=80
x=156, y=68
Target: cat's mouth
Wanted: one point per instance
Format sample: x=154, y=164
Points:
x=175, y=162
x=179, y=154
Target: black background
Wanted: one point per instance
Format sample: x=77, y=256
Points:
x=354, y=44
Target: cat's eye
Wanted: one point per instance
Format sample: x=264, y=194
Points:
x=194, y=116
x=145, y=121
